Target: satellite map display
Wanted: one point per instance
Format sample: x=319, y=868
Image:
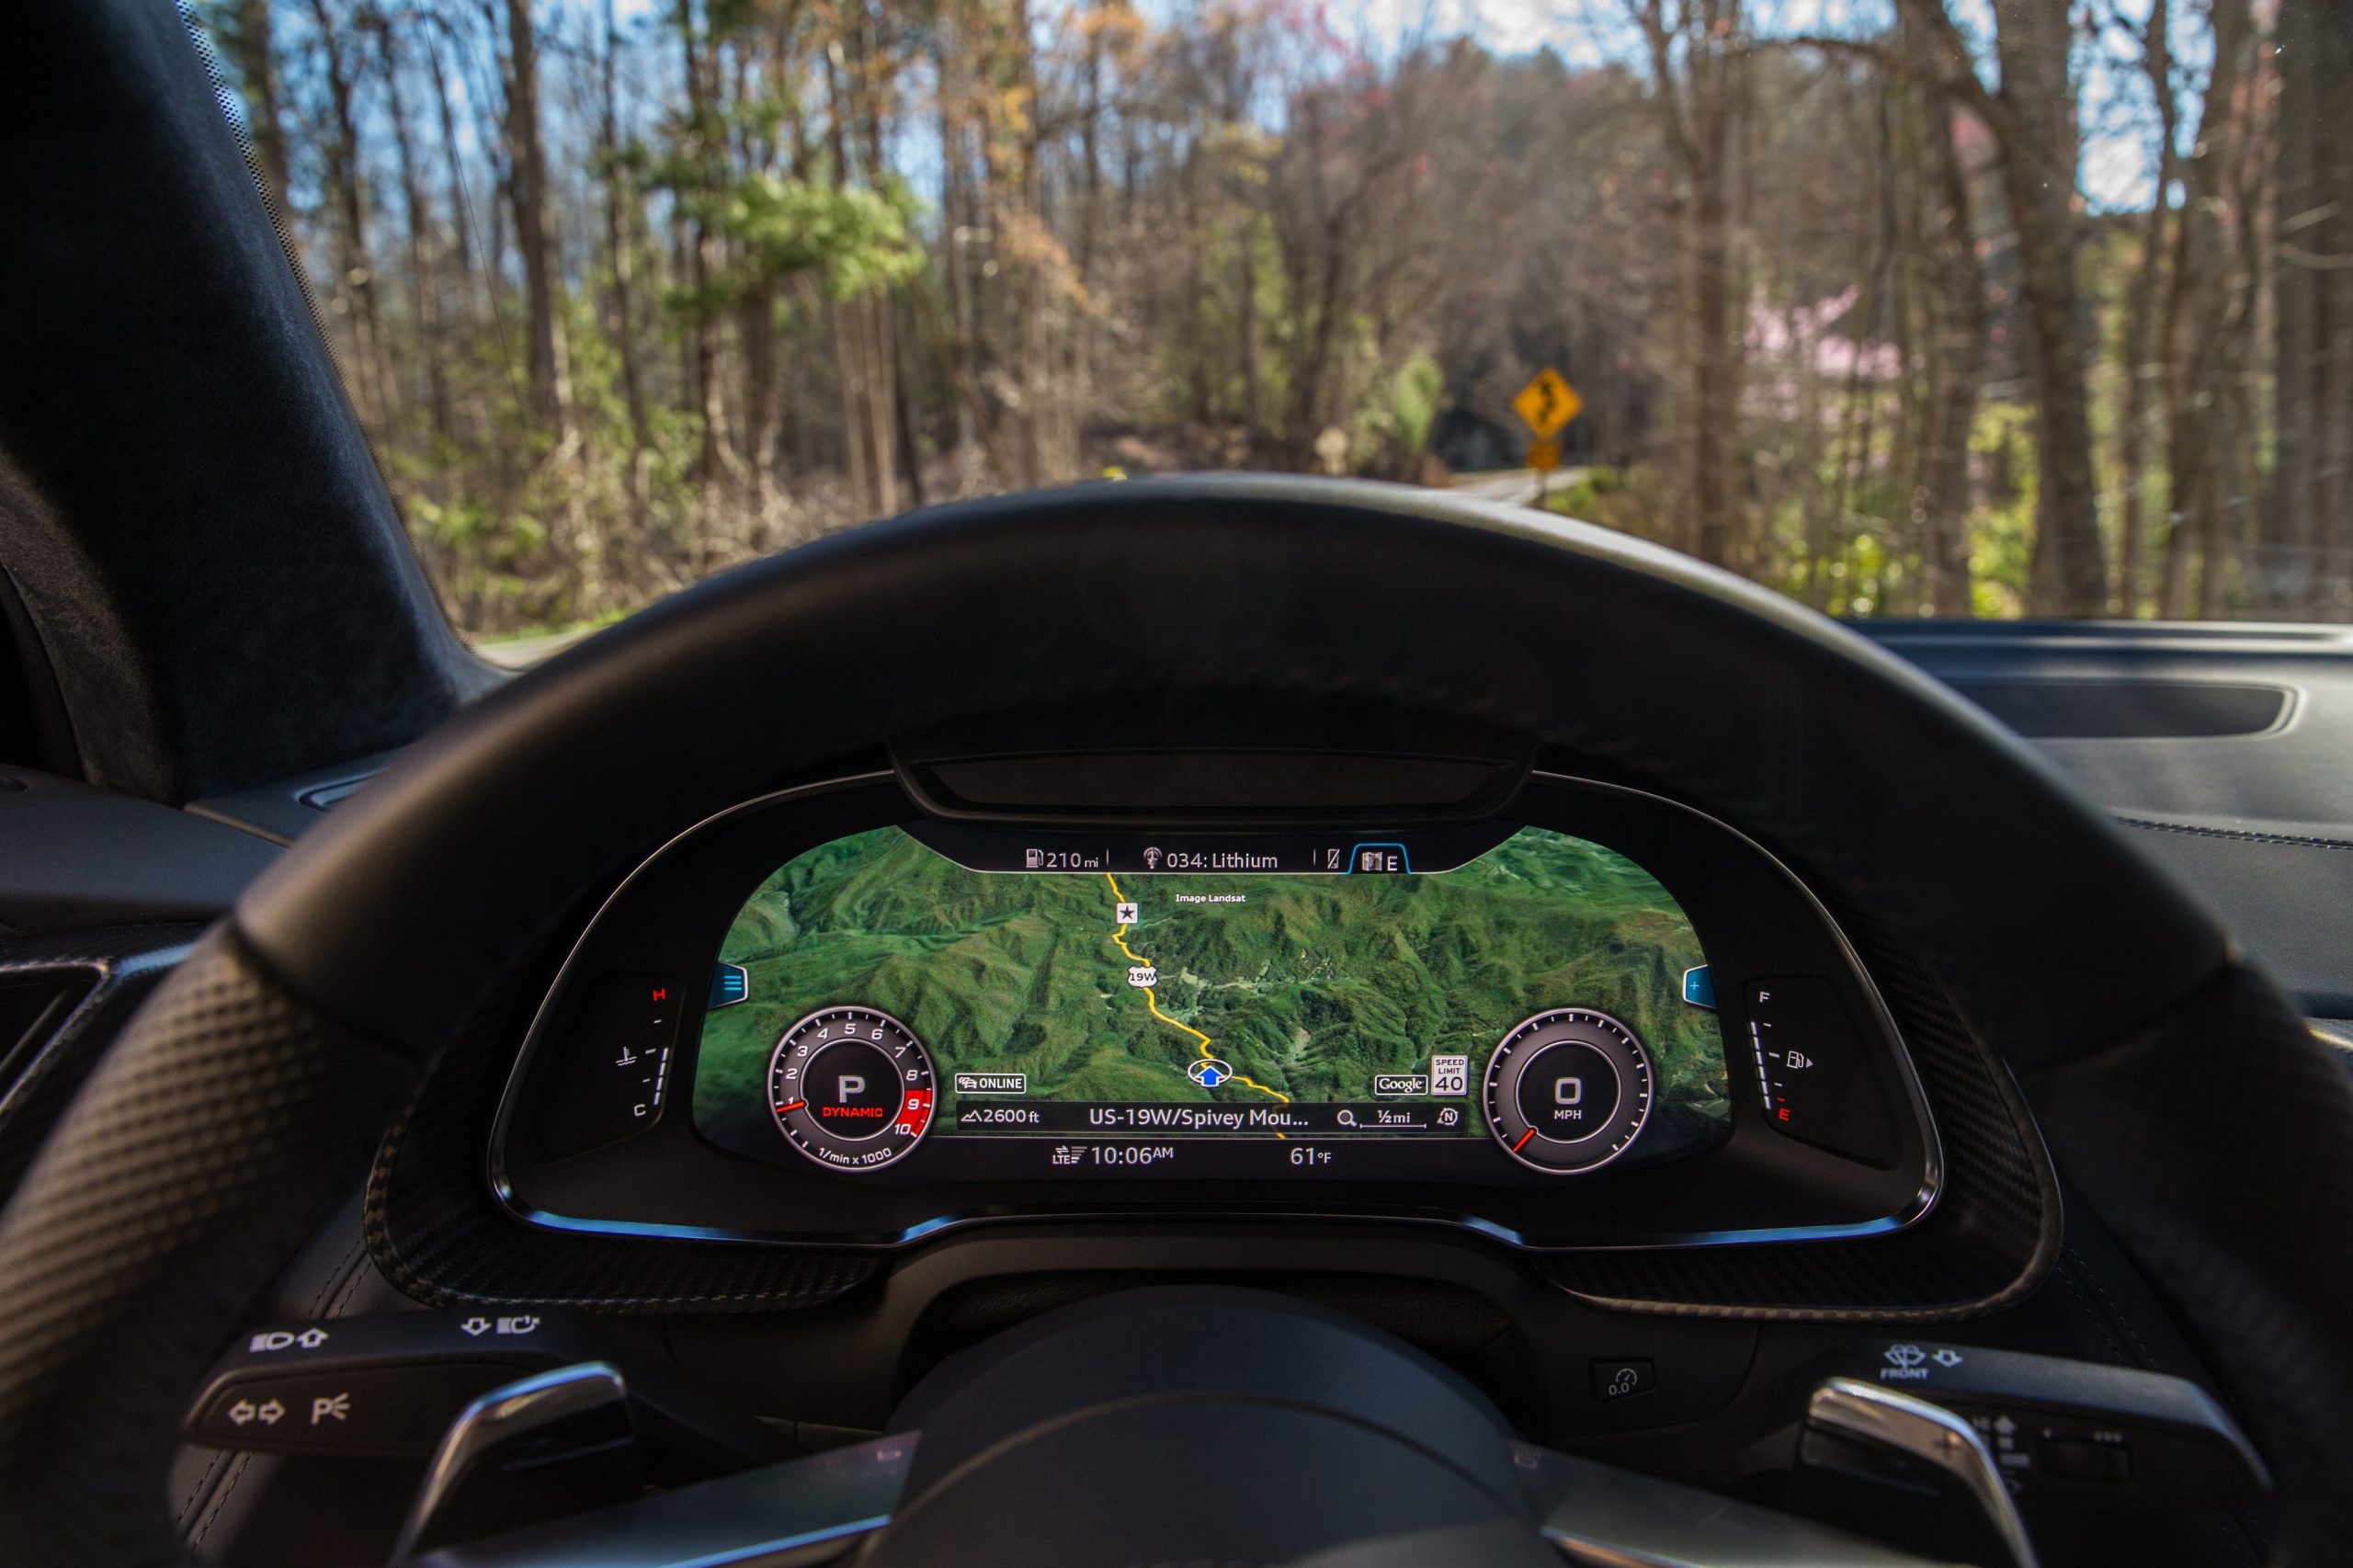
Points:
x=1192, y=1005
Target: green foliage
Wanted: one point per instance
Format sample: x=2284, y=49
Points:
x=858, y=240
x=1397, y=419
x=2002, y=541
x=1629, y=500
x=1590, y=498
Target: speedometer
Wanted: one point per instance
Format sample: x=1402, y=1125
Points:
x=851, y=1087
x=1568, y=1090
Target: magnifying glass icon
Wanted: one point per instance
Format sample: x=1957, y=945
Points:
x=1347, y=1117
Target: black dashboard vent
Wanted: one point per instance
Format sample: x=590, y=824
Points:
x=63, y=1001
x=2128, y=709
x=30, y=1011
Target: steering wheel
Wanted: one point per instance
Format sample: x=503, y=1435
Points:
x=2177, y=1090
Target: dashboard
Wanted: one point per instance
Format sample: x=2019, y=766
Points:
x=1562, y=1012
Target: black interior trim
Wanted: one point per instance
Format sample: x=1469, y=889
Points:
x=2287, y=892
x=200, y=538
x=284, y=809
x=97, y=979
x=73, y=857
x=2111, y=710
x=35, y=729
x=1245, y=755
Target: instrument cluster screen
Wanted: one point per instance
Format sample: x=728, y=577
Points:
x=939, y=1000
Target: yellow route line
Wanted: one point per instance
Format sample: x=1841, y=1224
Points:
x=1151, y=1000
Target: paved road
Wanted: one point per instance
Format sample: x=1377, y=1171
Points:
x=522, y=652
x=1513, y=486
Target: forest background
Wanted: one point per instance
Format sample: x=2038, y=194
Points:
x=1958, y=307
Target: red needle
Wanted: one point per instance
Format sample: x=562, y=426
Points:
x=794, y=1105
x=1523, y=1141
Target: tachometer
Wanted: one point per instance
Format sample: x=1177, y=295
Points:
x=851, y=1087
x=1568, y=1090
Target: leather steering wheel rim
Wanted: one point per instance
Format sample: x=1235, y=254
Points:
x=248, y=1093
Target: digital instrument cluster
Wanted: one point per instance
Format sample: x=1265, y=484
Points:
x=1506, y=996
x=827, y=1014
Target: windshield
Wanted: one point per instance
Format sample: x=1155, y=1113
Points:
x=1987, y=308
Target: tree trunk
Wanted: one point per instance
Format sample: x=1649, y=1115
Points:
x=1695, y=105
x=1201, y=402
x=2039, y=141
x=882, y=396
x=903, y=416
x=620, y=248
x=2201, y=327
x=253, y=49
x=350, y=198
x=1245, y=289
x=2140, y=316
x=1713, y=399
x=886, y=408
x=549, y=372
x=864, y=402
x=955, y=226
x=713, y=457
x=460, y=209
x=1958, y=370
x=2309, y=538
x=755, y=337
x=424, y=286
x=849, y=379
x=1078, y=346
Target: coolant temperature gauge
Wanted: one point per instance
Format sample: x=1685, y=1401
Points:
x=614, y=1073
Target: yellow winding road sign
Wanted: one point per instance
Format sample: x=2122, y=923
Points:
x=1546, y=404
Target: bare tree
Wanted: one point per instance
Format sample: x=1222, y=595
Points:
x=2308, y=550
x=424, y=280
x=345, y=178
x=2142, y=294
x=1696, y=101
x=2206, y=307
x=620, y=271
x=2032, y=116
x=1957, y=361
x=699, y=135
x=250, y=41
x=1834, y=309
x=551, y=380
